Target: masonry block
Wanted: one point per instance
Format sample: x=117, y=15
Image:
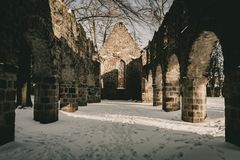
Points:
x=7, y=105
x=46, y=103
x=193, y=108
x=232, y=107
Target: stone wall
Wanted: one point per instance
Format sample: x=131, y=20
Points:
x=190, y=30
x=7, y=102
x=78, y=65
x=94, y=88
x=65, y=25
x=68, y=96
x=120, y=63
x=42, y=38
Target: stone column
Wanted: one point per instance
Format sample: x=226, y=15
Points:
x=46, y=100
x=7, y=103
x=68, y=94
x=194, y=100
x=232, y=107
x=82, y=95
x=157, y=95
x=171, y=96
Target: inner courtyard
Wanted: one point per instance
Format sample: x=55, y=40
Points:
x=117, y=129
x=65, y=95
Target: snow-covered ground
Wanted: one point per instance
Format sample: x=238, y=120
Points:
x=121, y=130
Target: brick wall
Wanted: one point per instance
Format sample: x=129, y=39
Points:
x=46, y=100
x=7, y=103
x=194, y=101
x=157, y=86
x=68, y=97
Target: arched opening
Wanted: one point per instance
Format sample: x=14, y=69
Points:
x=157, y=86
x=194, y=104
x=215, y=72
x=45, y=70
x=46, y=90
x=121, y=67
x=24, y=76
x=147, y=89
x=171, y=91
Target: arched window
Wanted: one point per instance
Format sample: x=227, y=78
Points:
x=121, y=74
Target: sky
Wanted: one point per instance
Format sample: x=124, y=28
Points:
x=139, y=31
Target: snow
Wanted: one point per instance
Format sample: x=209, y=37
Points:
x=121, y=130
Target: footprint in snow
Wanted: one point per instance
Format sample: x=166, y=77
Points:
x=134, y=153
x=147, y=156
x=178, y=140
x=197, y=144
x=179, y=155
x=181, y=147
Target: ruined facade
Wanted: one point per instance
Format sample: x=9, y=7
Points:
x=182, y=48
x=121, y=65
x=42, y=41
x=42, y=37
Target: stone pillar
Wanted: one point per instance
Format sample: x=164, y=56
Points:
x=147, y=89
x=157, y=95
x=82, y=95
x=157, y=86
x=94, y=94
x=171, y=96
x=46, y=100
x=194, y=100
x=232, y=107
x=68, y=94
x=7, y=103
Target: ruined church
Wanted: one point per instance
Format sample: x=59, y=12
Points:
x=121, y=65
x=46, y=53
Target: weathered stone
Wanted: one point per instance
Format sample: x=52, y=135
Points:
x=192, y=37
x=7, y=106
x=121, y=65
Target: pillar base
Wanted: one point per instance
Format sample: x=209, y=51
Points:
x=46, y=116
x=171, y=109
x=7, y=128
x=194, y=100
x=193, y=120
x=46, y=100
x=7, y=102
x=157, y=95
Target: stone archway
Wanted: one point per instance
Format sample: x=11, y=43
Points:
x=45, y=60
x=171, y=91
x=194, y=85
x=157, y=86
